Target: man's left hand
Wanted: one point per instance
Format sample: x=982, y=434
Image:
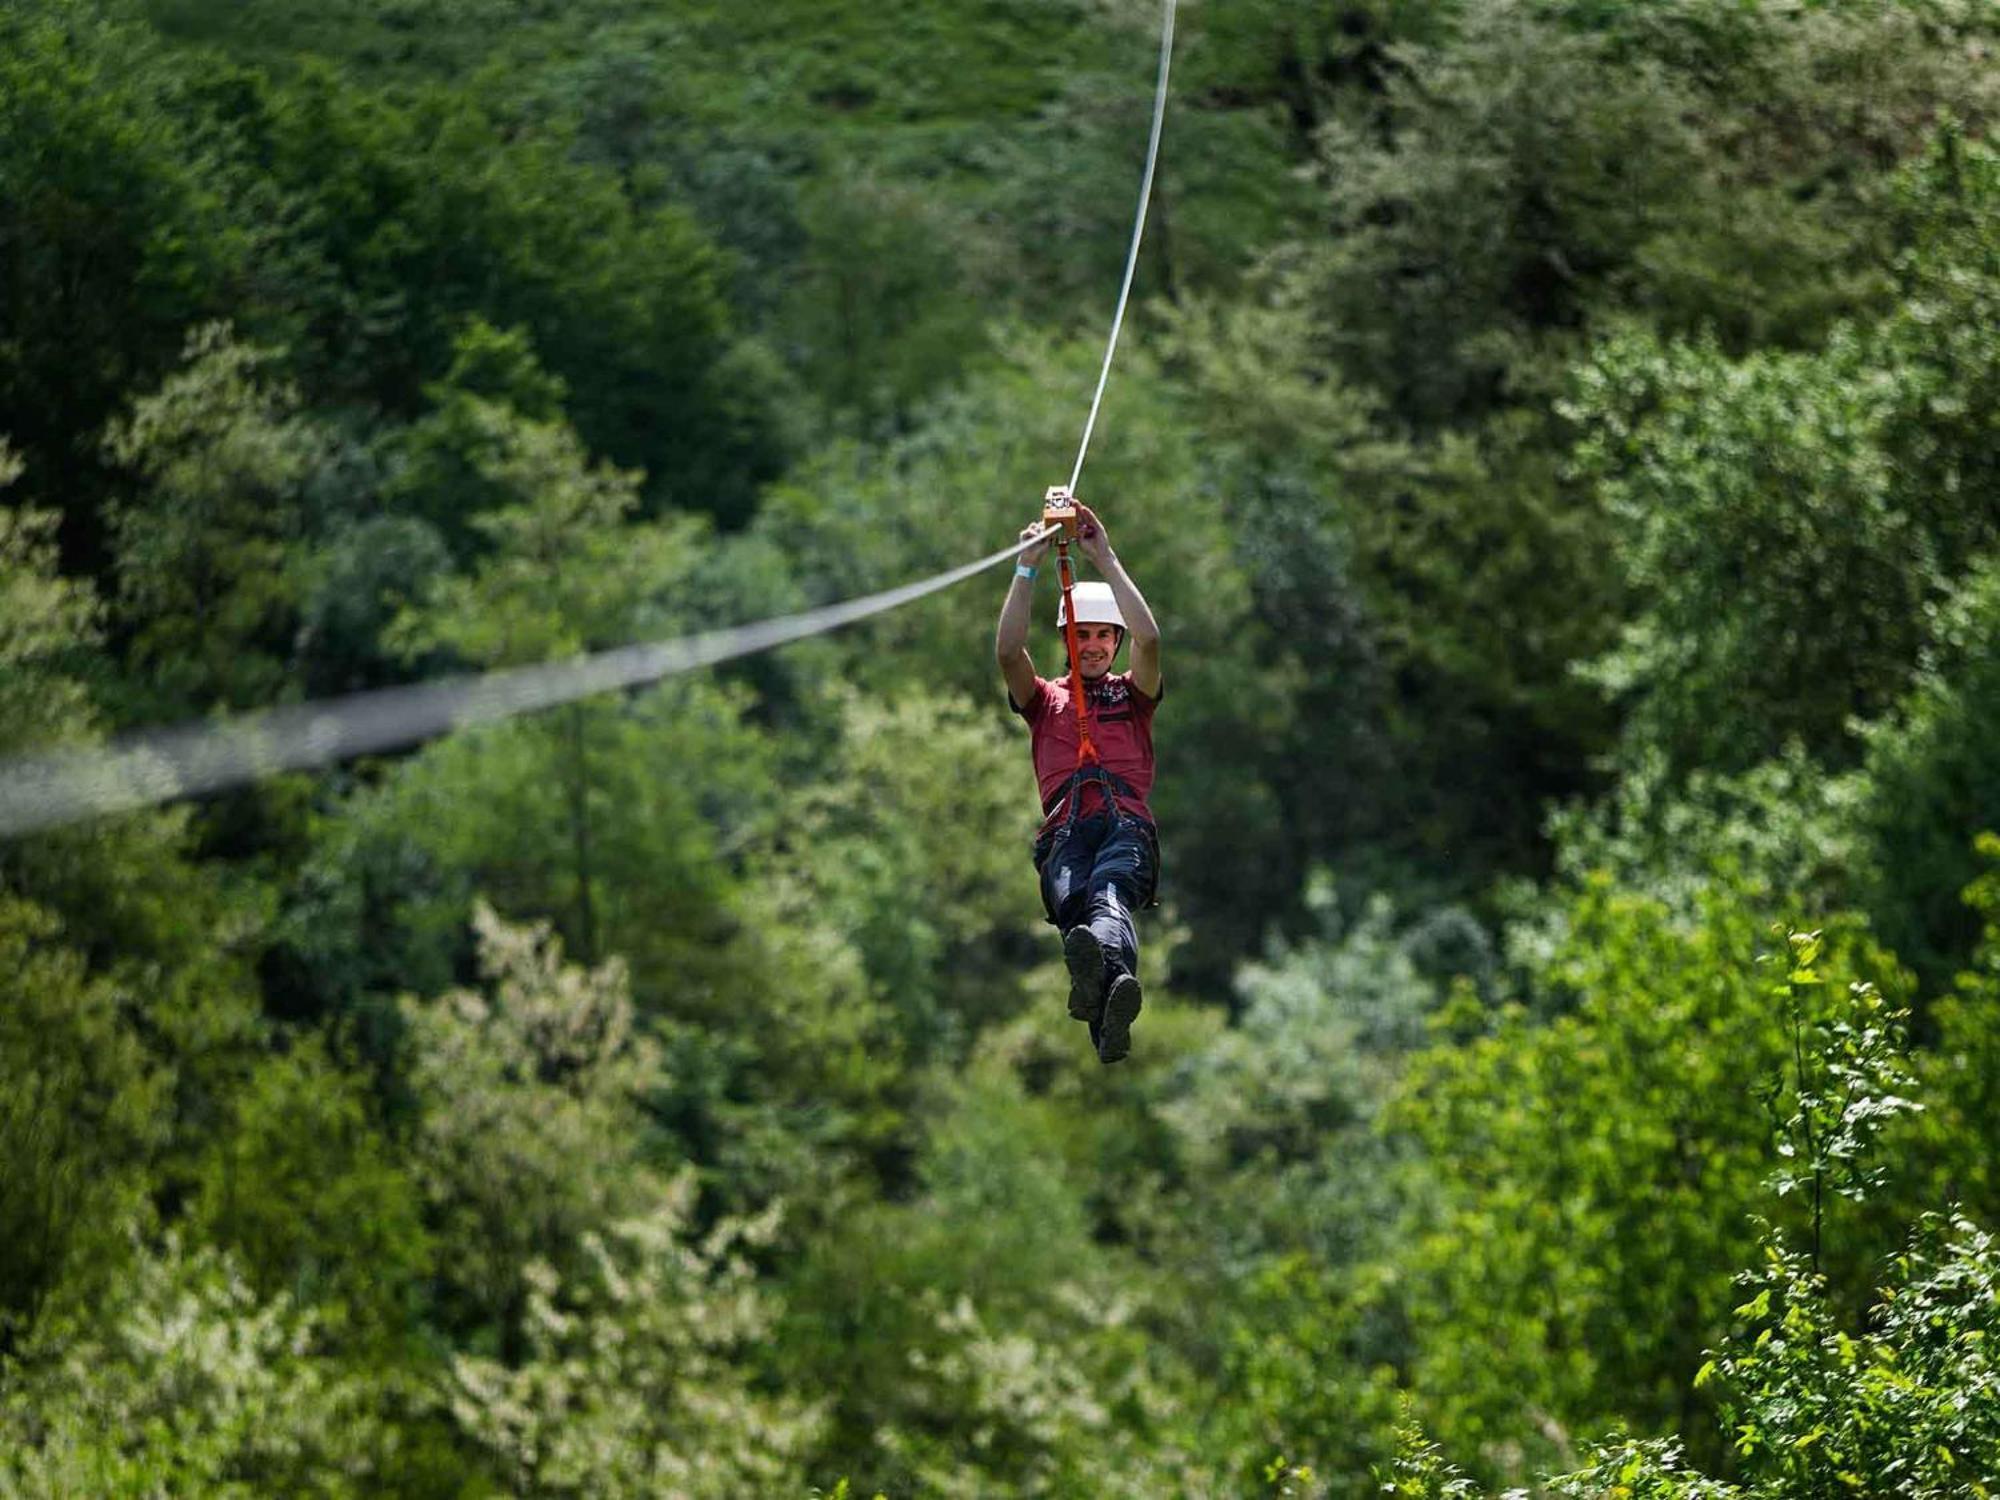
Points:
x=1091, y=537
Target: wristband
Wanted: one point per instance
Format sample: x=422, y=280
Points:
x=1022, y=570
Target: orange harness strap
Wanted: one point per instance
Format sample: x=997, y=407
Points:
x=1086, y=752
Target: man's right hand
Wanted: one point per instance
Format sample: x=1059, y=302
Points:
x=1033, y=556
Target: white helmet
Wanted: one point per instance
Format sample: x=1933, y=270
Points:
x=1095, y=605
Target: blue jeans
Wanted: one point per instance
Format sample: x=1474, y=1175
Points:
x=1096, y=873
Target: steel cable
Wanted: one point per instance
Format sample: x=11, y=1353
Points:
x=44, y=790
x=1138, y=233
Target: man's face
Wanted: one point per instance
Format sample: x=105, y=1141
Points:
x=1095, y=646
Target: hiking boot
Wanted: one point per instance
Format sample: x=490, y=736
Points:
x=1085, y=958
x=1121, y=1009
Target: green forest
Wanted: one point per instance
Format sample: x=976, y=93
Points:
x=1560, y=440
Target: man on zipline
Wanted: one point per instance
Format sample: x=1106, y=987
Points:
x=1097, y=854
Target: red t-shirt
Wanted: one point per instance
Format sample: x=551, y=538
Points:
x=1121, y=726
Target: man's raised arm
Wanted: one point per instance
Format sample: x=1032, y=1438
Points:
x=1142, y=631
x=1010, y=641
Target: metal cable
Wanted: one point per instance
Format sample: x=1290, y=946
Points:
x=43, y=790
x=1138, y=233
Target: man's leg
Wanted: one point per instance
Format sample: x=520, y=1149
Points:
x=1120, y=876
x=1121, y=870
x=1066, y=886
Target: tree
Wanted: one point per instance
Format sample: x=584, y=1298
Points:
x=634, y=1380
x=1933, y=779
x=531, y=1119
x=881, y=314
x=903, y=843
x=302, y=1188
x=1592, y=1177
x=83, y=1116
x=127, y=1009
x=1790, y=521
x=562, y=574
x=1520, y=168
x=407, y=221
x=186, y=1381
x=206, y=554
x=116, y=236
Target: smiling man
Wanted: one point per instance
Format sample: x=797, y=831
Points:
x=1097, y=853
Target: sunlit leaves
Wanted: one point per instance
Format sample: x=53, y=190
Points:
x=183, y=1379
x=633, y=1381
x=84, y=1110
x=531, y=1094
x=207, y=554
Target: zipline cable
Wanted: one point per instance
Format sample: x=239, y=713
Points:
x=46, y=789
x=1138, y=233
x=41, y=791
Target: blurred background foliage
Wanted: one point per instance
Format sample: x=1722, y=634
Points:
x=1559, y=439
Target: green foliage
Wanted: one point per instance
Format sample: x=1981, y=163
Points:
x=566, y=813
x=985, y=1335
x=1783, y=833
x=1306, y=1361
x=558, y=572
x=185, y=1382
x=1593, y=1174
x=1847, y=1058
x=860, y=518
x=796, y=1170
x=355, y=584
x=1430, y=596
x=882, y=823
x=412, y=221
x=205, y=557
x=1309, y=61
x=905, y=60
x=1952, y=1149
x=881, y=307
x=569, y=817
x=126, y=1011
x=307, y=1195
x=1908, y=1407
x=632, y=1382
x=453, y=463
x=46, y=623
x=1275, y=1124
x=1519, y=170
x=1758, y=494
x=1056, y=193
x=81, y=1117
x=530, y=1098
x=1755, y=497
x=1935, y=777
x=117, y=234
x=1527, y=177
x=1421, y=1471
x=1640, y=1469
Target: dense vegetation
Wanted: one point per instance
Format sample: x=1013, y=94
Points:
x=1561, y=440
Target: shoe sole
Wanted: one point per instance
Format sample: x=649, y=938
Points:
x=1121, y=1009
x=1086, y=974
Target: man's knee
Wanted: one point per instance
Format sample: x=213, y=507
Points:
x=1066, y=889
